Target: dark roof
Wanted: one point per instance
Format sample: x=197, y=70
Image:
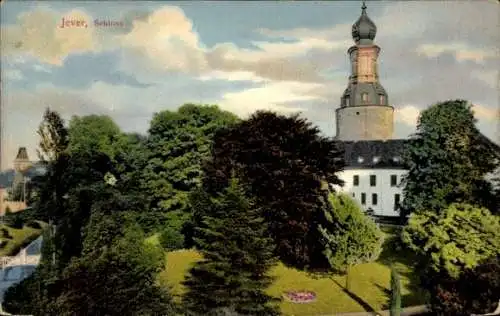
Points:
x=22, y=154
x=373, y=153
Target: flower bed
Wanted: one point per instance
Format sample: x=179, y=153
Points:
x=300, y=297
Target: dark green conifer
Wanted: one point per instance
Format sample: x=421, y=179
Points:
x=237, y=256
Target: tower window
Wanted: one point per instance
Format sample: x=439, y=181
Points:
x=382, y=99
x=373, y=180
x=357, y=113
x=364, y=97
x=363, y=198
x=394, y=180
x=347, y=103
x=355, y=180
x=374, y=199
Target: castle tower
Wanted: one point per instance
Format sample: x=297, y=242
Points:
x=22, y=162
x=364, y=113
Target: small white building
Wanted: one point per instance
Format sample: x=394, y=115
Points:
x=373, y=175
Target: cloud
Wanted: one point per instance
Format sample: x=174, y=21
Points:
x=461, y=51
x=486, y=113
x=274, y=96
x=13, y=74
x=407, y=114
x=38, y=33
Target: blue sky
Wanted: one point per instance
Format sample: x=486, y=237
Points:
x=244, y=56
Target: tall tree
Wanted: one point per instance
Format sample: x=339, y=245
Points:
x=94, y=133
x=177, y=144
x=53, y=136
x=448, y=159
x=237, y=256
x=283, y=160
x=349, y=236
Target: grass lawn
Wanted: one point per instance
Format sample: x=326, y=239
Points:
x=370, y=284
x=19, y=236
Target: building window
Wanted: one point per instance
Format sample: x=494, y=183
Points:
x=363, y=198
x=355, y=180
x=397, y=200
x=394, y=180
x=374, y=199
x=353, y=194
x=373, y=180
x=382, y=99
x=364, y=97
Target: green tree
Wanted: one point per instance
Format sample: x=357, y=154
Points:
x=283, y=160
x=177, y=144
x=97, y=133
x=455, y=239
x=395, y=293
x=237, y=256
x=116, y=274
x=447, y=159
x=53, y=136
x=349, y=236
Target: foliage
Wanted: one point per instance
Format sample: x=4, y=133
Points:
x=177, y=144
x=19, y=238
x=349, y=236
x=237, y=256
x=475, y=291
x=171, y=239
x=53, y=136
x=459, y=237
x=116, y=279
x=282, y=161
x=395, y=293
x=93, y=133
x=447, y=160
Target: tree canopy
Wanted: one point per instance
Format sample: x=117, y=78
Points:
x=447, y=159
x=458, y=238
x=349, y=236
x=178, y=143
x=282, y=162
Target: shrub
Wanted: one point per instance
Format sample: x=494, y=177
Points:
x=171, y=239
x=3, y=243
x=349, y=236
x=475, y=291
x=15, y=221
x=4, y=233
x=34, y=224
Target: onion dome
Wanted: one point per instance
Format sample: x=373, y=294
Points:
x=364, y=30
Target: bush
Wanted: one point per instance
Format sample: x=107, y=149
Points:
x=475, y=291
x=3, y=243
x=171, y=239
x=4, y=233
x=34, y=224
x=349, y=236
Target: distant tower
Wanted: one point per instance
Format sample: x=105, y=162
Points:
x=22, y=162
x=364, y=113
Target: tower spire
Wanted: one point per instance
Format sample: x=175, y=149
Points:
x=363, y=7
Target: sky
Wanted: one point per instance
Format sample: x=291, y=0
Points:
x=286, y=57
